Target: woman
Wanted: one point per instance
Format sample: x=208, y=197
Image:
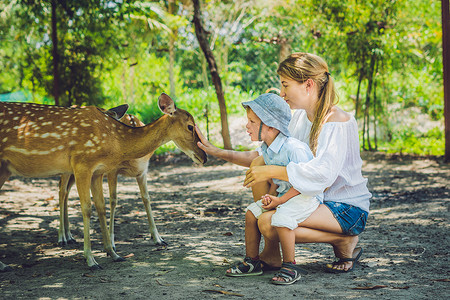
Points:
x=332, y=134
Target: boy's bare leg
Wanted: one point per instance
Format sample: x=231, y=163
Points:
x=252, y=235
x=320, y=227
x=287, y=241
x=271, y=253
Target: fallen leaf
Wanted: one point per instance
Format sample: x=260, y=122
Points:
x=228, y=233
x=442, y=280
x=224, y=293
x=373, y=287
x=129, y=255
x=87, y=275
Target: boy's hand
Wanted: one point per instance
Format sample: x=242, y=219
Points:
x=270, y=201
x=266, y=200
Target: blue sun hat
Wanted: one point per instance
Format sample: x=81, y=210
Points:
x=272, y=110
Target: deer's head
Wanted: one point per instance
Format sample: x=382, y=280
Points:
x=182, y=131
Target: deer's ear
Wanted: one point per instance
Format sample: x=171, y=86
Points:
x=118, y=112
x=166, y=104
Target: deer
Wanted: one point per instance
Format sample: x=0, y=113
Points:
x=136, y=168
x=41, y=140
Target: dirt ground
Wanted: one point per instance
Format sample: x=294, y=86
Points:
x=199, y=212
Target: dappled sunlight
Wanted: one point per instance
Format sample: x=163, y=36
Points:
x=21, y=223
x=200, y=214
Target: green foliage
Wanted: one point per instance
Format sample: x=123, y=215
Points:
x=408, y=141
x=114, y=52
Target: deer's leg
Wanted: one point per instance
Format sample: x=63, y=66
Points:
x=65, y=184
x=4, y=175
x=112, y=184
x=69, y=237
x=83, y=182
x=4, y=268
x=142, y=182
x=99, y=202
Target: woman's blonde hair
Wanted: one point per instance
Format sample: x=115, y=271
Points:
x=301, y=67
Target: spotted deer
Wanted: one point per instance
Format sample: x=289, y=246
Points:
x=40, y=141
x=136, y=168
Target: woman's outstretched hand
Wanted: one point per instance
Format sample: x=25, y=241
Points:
x=204, y=144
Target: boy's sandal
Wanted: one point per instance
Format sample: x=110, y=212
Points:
x=356, y=255
x=289, y=273
x=248, y=267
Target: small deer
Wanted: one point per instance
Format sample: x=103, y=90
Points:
x=40, y=141
x=136, y=168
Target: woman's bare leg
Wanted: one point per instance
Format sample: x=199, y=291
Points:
x=320, y=227
x=262, y=188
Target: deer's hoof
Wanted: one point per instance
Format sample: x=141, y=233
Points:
x=72, y=241
x=95, y=267
x=6, y=269
x=119, y=259
x=162, y=243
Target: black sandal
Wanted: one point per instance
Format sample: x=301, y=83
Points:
x=290, y=273
x=248, y=267
x=330, y=267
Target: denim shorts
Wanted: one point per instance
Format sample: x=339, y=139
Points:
x=351, y=218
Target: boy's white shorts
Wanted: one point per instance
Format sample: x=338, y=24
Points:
x=289, y=214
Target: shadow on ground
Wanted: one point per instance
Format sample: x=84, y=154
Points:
x=200, y=211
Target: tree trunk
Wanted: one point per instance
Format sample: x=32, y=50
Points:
x=375, y=114
x=171, y=65
x=125, y=96
x=446, y=65
x=204, y=72
x=202, y=38
x=285, y=49
x=367, y=105
x=132, y=92
x=172, y=39
x=357, y=105
x=55, y=55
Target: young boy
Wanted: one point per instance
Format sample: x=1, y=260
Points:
x=268, y=118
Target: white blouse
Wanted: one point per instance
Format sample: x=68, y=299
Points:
x=336, y=166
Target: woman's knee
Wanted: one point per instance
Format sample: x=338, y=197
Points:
x=258, y=161
x=261, y=188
